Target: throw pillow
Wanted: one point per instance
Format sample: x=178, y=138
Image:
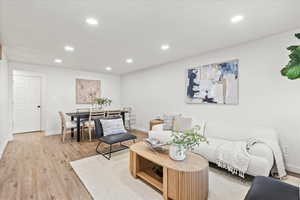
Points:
x=112, y=126
x=169, y=122
x=182, y=124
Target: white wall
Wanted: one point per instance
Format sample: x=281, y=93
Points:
x=265, y=97
x=58, y=90
x=5, y=134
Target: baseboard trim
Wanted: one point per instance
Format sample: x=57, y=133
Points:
x=141, y=129
x=293, y=168
x=3, y=147
x=52, y=132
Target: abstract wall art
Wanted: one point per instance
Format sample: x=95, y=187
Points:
x=213, y=84
x=87, y=91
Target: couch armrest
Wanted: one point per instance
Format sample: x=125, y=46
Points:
x=263, y=151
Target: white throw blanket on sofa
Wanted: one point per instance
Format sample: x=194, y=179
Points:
x=278, y=157
x=234, y=156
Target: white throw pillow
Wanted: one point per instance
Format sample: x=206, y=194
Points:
x=182, y=124
x=112, y=126
x=169, y=121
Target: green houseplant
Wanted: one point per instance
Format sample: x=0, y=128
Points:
x=181, y=142
x=103, y=102
x=292, y=69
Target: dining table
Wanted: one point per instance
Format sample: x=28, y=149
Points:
x=80, y=116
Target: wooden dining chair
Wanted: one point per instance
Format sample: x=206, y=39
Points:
x=130, y=118
x=66, y=125
x=90, y=124
x=113, y=113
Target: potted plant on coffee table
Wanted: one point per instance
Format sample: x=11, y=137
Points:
x=184, y=141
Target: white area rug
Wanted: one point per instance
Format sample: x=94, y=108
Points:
x=111, y=180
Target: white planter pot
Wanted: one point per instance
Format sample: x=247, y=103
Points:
x=177, y=152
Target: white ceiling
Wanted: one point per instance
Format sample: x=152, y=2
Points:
x=35, y=31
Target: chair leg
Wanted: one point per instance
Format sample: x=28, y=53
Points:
x=90, y=133
x=104, y=154
x=98, y=147
x=109, y=152
x=63, y=134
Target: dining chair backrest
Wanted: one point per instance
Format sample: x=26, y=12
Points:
x=130, y=118
x=62, y=118
x=94, y=113
x=128, y=109
x=113, y=113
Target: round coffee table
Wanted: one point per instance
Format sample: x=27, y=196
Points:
x=181, y=180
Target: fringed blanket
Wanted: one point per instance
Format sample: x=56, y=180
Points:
x=234, y=157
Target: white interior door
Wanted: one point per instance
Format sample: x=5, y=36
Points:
x=26, y=103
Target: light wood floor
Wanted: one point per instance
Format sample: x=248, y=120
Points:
x=35, y=166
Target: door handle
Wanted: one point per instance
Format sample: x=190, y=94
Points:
x=38, y=106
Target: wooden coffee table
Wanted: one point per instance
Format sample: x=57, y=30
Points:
x=181, y=180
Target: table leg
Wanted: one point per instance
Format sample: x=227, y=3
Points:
x=133, y=165
x=165, y=183
x=78, y=129
x=72, y=129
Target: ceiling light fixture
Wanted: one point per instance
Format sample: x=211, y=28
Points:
x=237, y=18
x=92, y=21
x=57, y=60
x=69, y=48
x=165, y=47
x=129, y=60
x=108, y=68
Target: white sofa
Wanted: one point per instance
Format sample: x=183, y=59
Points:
x=261, y=156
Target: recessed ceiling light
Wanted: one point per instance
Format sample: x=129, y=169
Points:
x=108, y=68
x=69, y=48
x=129, y=60
x=165, y=47
x=57, y=60
x=237, y=18
x=91, y=21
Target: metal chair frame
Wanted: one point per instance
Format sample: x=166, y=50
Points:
x=110, y=151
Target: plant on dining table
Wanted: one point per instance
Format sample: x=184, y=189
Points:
x=103, y=101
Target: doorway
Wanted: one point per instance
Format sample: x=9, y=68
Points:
x=26, y=103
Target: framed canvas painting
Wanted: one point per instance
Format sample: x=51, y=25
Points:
x=87, y=91
x=213, y=84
